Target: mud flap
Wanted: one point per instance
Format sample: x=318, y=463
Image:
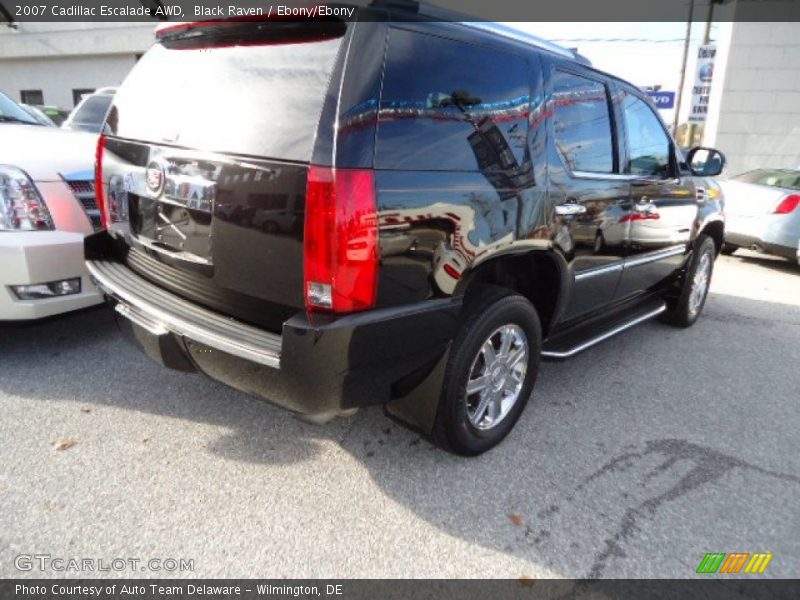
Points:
x=418, y=408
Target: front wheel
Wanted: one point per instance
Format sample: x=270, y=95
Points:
x=728, y=249
x=490, y=374
x=694, y=289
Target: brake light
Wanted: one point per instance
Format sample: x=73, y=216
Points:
x=250, y=31
x=341, y=240
x=99, y=191
x=787, y=205
x=164, y=30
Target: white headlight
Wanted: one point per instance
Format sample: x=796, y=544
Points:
x=21, y=205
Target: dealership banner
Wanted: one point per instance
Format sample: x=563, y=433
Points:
x=701, y=90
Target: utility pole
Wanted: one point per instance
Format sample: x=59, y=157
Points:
x=686, y=43
x=709, y=20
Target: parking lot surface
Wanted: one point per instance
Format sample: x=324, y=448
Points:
x=633, y=459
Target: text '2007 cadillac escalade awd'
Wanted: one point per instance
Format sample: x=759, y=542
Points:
x=391, y=211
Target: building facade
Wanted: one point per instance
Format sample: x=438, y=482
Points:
x=56, y=63
x=754, y=116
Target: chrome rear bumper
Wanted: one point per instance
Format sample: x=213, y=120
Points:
x=160, y=312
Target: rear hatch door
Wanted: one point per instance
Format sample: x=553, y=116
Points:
x=205, y=161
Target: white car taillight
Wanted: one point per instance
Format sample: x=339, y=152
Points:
x=787, y=205
x=21, y=206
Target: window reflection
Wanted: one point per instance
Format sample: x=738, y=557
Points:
x=582, y=123
x=447, y=105
x=648, y=144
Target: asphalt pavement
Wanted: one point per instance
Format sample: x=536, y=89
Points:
x=633, y=459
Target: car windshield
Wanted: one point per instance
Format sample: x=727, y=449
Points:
x=785, y=178
x=37, y=114
x=10, y=111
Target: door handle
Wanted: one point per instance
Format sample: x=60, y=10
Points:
x=644, y=181
x=570, y=209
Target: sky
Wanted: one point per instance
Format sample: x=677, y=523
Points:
x=646, y=54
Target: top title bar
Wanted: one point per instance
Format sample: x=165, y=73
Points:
x=20, y=11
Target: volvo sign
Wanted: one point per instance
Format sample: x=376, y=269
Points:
x=663, y=100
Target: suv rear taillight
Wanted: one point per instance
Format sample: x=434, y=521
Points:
x=341, y=240
x=787, y=205
x=99, y=190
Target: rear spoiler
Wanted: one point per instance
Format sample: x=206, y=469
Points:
x=250, y=30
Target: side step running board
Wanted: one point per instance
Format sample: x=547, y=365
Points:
x=566, y=346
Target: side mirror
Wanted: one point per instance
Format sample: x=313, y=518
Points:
x=705, y=162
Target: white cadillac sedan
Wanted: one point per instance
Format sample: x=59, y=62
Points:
x=47, y=207
x=763, y=212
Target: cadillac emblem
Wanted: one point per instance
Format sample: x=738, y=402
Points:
x=154, y=177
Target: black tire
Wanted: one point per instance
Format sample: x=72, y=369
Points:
x=728, y=249
x=489, y=310
x=687, y=308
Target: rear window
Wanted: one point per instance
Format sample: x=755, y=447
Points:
x=93, y=110
x=261, y=99
x=775, y=178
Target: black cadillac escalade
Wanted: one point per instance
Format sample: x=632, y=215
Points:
x=396, y=210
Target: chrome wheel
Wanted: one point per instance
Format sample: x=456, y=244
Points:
x=496, y=376
x=700, y=281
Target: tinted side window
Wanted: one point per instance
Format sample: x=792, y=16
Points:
x=448, y=105
x=648, y=144
x=582, y=123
